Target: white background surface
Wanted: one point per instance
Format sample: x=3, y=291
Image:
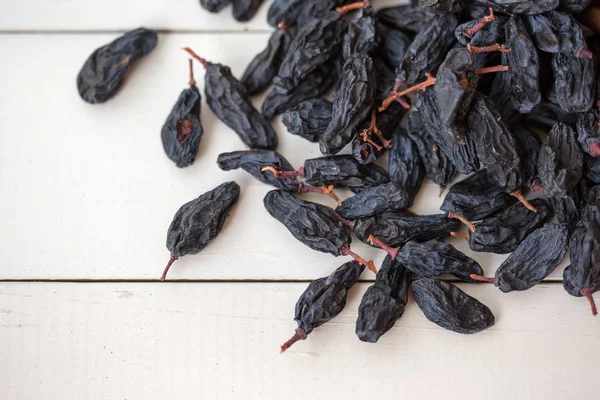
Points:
x=87, y=194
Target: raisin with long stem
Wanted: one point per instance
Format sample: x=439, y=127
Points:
x=227, y=98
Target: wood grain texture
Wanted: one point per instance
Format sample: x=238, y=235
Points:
x=218, y=341
x=87, y=192
x=122, y=15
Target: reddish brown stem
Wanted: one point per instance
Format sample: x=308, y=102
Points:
x=285, y=174
x=396, y=95
x=354, y=6
x=201, y=60
x=470, y=32
x=483, y=279
x=488, y=70
x=463, y=220
x=347, y=222
x=519, y=196
x=594, y=149
x=299, y=334
x=464, y=235
x=192, y=80
x=587, y=293
x=345, y=251
x=487, y=49
x=166, y=271
x=392, y=251
x=403, y=103
x=365, y=137
x=584, y=52
x=326, y=190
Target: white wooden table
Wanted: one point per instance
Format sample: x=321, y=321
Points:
x=86, y=198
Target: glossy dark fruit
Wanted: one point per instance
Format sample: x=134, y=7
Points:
x=316, y=84
x=520, y=6
x=393, y=44
x=244, y=10
x=352, y=103
x=406, y=17
x=182, y=130
x=588, y=132
x=495, y=145
x=428, y=50
x=528, y=145
x=383, y=302
x=214, y=6
x=449, y=307
x=104, y=71
x=476, y=197
x=434, y=258
x=264, y=66
x=309, y=119
x=253, y=162
x=504, y=231
x=374, y=200
x=406, y=168
x=557, y=32
x=582, y=277
x=442, y=5
x=437, y=166
x=361, y=36
x=228, y=100
x=534, y=259
x=312, y=224
x=323, y=300
x=560, y=162
x=574, y=82
x=574, y=6
x=343, y=171
x=199, y=221
x=517, y=91
x=397, y=228
x=315, y=44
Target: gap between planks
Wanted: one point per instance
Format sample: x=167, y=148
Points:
x=121, y=31
x=549, y=282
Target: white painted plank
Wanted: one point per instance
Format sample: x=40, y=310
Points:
x=87, y=192
x=85, y=15
x=221, y=341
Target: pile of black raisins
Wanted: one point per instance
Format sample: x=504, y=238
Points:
x=504, y=91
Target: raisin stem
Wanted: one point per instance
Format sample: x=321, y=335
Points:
x=395, y=95
x=201, y=60
x=484, y=279
x=345, y=251
x=326, y=190
x=470, y=32
x=587, y=292
x=365, y=137
x=487, y=49
x=192, y=80
x=584, y=52
x=495, y=68
x=464, y=235
x=392, y=251
x=171, y=261
x=285, y=174
x=299, y=334
x=463, y=220
x=347, y=222
x=517, y=193
x=594, y=149
x=353, y=6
